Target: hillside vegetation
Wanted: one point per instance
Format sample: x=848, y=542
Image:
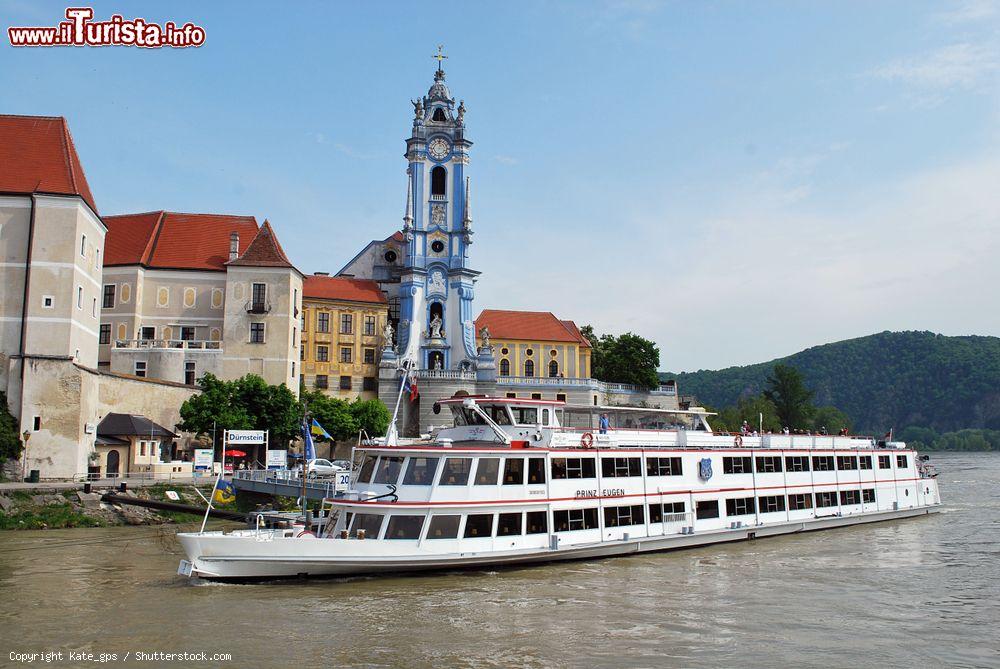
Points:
x=887, y=380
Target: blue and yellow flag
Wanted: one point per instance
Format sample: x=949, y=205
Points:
x=317, y=430
x=224, y=492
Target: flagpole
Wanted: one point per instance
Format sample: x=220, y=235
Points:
x=392, y=436
x=222, y=470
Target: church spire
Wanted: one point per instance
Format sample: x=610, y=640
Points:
x=408, y=216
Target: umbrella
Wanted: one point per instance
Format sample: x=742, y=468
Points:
x=233, y=453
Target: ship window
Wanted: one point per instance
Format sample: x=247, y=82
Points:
x=371, y=523
x=741, y=506
x=537, y=522
x=439, y=177
x=509, y=524
x=525, y=415
x=884, y=462
x=865, y=462
x=487, y=471
x=706, y=508
x=868, y=495
x=736, y=466
x=850, y=497
x=573, y=468
x=826, y=499
x=513, y=471
x=768, y=464
x=823, y=463
x=536, y=470
x=456, y=471
x=499, y=415
x=388, y=470
x=667, y=512
x=802, y=501
x=622, y=516
x=621, y=467
x=365, y=476
x=663, y=467
x=420, y=471
x=901, y=462
x=846, y=462
x=772, y=503
x=479, y=525
x=797, y=463
x=444, y=527
x=404, y=527
x=570, y=520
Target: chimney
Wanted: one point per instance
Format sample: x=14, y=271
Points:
x=321, y=274
x=234, y=245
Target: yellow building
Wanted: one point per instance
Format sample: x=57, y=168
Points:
x=536, y=344
x=342, y=322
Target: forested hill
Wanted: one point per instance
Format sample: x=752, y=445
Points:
x=891, y=379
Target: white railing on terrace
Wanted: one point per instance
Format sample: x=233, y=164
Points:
x=579, y=382
x=456, y=374
x=188, y=344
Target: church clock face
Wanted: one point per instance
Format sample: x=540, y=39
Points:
x=438, y=149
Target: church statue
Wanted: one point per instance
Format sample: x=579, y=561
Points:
x=436, y=327
x=418, y=110
x=484, y=334
x=461, y=112
x=387, y=333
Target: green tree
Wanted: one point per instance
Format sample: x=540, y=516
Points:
x=628, y=358
x=10, y=440
x=792, y=400
x=372, y=416
x=832, y=419
x=748, y=409
x=333, y=414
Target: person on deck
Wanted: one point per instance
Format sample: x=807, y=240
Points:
x=604, y=423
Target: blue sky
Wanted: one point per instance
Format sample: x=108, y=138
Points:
x=736, y=181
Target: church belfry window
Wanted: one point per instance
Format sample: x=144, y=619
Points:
x=529, y=367
x=439, y=115
x=505, y=367
x=439, y=177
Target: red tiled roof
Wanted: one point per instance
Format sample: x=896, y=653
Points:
x=396, y=237
x=342, y=288
x=264, y=251
x=530, y=326
x=38, y=156
x=170, y=240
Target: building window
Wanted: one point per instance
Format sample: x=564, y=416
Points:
x=345, y=383
x=48, y=302
x=884, y=462
x=109, y=296
x=505, y=367
x=772, y=504
x=79, y=297
x=322, y=353
x=36, y=423
x=259, y=298
x=623, y=516
x=187, y=333
x=256, y=333
x=369, y=326
x=369, y=383
x=553, y=369
x=536, y=396
x=560, y=397
x=512, y=396
x=573, y=468
x=664, y=467
x=322, y=381
x=797, y=463
x=390, y=256
x=346, y=324
x=529, y=367
x=571, y=520
x=83, y=246
x=345, y=354
x=437, y=246
x=147, y=333
x=706, y=508
x=736, y=466
x=504, y=351
x=140, y=368
x=105, y=333
x=93, y=308
x=369, y=356
x=439, y=180
x=799, y=502
x=848, y=497
x=189, y=373
x=823, y=463
x=322, y=321
x=741, y=506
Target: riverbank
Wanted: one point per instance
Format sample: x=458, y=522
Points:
x=42, y=507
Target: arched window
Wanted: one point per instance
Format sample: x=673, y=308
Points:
x=529, y=367
x=553, y=369
x=505, y=367
x=439, y=177
x=439, y=115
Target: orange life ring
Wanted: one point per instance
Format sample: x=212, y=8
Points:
x=587, y=440
x=738, y=441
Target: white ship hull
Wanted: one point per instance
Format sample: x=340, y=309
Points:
x=267, y=554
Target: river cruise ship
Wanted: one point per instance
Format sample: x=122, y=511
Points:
x=518, y=481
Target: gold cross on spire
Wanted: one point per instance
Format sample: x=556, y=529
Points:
x=439, y=56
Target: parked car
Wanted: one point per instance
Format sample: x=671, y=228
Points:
x=320, y=468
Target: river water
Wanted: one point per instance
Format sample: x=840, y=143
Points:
x=919, y=593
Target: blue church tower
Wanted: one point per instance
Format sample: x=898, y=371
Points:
x=436, y=326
